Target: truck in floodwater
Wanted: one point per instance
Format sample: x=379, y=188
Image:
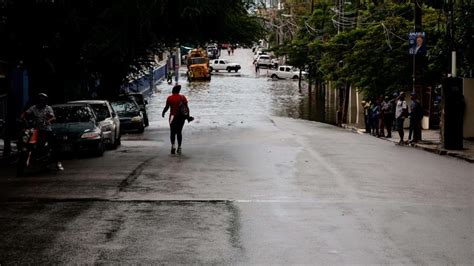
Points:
x=198, y=65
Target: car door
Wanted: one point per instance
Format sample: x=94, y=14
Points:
x=288, y=73
x=115, y=118
x=105, y=119
x=222, y=65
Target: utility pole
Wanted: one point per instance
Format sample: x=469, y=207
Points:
x=451, y=29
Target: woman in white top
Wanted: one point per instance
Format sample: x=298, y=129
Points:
x=400, y=114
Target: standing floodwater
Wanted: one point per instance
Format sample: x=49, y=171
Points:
x=244, y=94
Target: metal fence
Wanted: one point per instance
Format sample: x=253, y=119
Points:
x=143, y=84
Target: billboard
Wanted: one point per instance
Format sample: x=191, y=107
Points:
x=417, y=43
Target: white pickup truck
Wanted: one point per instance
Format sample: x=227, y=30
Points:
x=223, y=64
x=285, y=72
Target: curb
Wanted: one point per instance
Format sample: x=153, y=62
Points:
x=434, y=150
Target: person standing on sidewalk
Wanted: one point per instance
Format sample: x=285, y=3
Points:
x=387, y=116
x=366, y=106
x=401, y=112
x=375, y=114
x=380, y=103
x=416, y=114
x=179, y=106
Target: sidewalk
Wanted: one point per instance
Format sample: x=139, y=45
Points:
x=431, y=141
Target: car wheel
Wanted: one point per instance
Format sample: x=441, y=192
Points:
x=21, y=164
x=141, y=129
x=100, y=150
x=145, y=119
x=211, y=69
x=116, y=140
x=274, y=76
x=295, y=77
x=228, y=69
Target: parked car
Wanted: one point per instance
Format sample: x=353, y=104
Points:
x=131, y=118
x=108, y=121
x=76, y=128
x=286, y=72
x=213, y=52
x=142, y=103
x=223, y=64
x=264, y=60
x=260, y=51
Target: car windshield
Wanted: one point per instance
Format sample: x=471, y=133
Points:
x=198, y=60
x=101, y=110
x=138, y=99
x=72, y=114
x=124, y=106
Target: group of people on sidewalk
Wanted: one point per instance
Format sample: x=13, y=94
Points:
x=386, y=115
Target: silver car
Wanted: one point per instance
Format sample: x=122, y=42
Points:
x=108, y=119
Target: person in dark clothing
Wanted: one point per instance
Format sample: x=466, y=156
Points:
x=388, y=116
x=175, y=102
x=375, y=115
x=366, y=106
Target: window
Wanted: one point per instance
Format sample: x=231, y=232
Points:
x=122, y=107
x=222, y=62
x=72, y=114
x=101, y=110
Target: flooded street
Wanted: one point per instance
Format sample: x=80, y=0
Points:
x=237, y=97
x=257, y=184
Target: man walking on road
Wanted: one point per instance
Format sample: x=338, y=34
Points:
x=400, y=114
x=179, y=113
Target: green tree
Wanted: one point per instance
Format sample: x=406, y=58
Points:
x=67, y=45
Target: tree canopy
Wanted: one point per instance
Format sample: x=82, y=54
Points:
x=366, y=46
x=67, y=44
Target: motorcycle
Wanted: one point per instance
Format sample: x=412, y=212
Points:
x=34, y=151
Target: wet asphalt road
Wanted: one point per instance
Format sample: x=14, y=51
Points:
x=252, y=186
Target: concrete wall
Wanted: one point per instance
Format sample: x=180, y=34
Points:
x=468, y=88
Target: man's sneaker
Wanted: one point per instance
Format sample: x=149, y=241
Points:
x=173, y=151
x=60, y=167
x=179, y=150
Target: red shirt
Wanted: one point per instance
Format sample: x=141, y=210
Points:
x=173, y=102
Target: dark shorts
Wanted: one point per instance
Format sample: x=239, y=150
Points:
x=400, y=122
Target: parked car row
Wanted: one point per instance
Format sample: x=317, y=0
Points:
x=92, y=125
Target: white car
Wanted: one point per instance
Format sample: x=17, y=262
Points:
x=223, y=64
x=264, y=60
x=286, y=72
x=259, y=53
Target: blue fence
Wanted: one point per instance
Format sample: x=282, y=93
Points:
x=144, y=83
